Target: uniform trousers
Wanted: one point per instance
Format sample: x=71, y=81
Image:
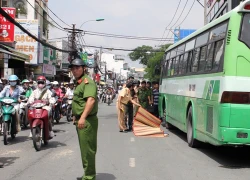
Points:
x=88, y=145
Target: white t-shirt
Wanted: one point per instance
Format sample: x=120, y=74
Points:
x=70, y=92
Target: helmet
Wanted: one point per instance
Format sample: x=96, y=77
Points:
x=13, y=78
x=48, y=83
x=55, y=83
x=71, y=82
x=25, y=81
x=41, y=78
x=77, y=62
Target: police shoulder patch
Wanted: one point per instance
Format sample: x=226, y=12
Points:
x=79, y=81
x=86, y=81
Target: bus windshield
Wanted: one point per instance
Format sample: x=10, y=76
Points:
x=245, y=29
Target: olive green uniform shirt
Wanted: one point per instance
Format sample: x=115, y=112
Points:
x=143, y=94
x=85, y=88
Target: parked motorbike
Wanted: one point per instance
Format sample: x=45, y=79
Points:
x=9, y=124
x=69, y=109
x=22, y=111
x=39, y=123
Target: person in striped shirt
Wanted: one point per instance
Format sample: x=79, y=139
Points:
x=156, y=98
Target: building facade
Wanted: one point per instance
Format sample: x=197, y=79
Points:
x=216, y=8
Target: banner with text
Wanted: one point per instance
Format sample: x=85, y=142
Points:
x=25, y=43
x=6, y=27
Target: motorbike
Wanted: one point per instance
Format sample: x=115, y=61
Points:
x=56, y=110
x=39, y=123
x=64, y=106
x=104, y=97
x=69, y=109
x=109, y=99
x=22, y=111
x=8, y=122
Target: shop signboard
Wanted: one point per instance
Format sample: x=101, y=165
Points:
x=7, y=28
x=25, y=43
x=48, y=69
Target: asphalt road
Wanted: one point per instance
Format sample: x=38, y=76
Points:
x=121, y=156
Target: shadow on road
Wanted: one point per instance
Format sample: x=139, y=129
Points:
x=53, y=144
x=7, y=161
x=227, y=156
x=102, y=176
x=18, y=139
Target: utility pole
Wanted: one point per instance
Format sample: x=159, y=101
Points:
x=73, y=55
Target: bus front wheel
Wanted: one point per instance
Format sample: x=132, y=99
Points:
x=190, y=130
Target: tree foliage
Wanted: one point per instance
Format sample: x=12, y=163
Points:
x=142, y=54
x=151, y=59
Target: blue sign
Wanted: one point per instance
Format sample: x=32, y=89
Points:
x=179, y=34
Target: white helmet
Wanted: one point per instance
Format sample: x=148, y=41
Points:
x=55, y=83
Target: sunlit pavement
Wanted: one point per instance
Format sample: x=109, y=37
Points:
x=121, y=156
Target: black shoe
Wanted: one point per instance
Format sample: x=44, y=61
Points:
x=127, y=130
x=123, y=131
x=1, y=165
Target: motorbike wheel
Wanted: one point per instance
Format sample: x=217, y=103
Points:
x=5, y=129
x=46, y=143
x=69, y=115
x=37, y=140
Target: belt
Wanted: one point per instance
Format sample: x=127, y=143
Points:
x=79, y=116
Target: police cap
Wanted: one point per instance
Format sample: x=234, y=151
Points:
x=77, y=62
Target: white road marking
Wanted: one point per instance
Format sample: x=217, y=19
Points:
x=131, y=162
x=132, y=139
x=64, y=153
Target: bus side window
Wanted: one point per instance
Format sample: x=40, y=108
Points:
x=189, y=64
x=218, y=55
x=172, y=67
x=180, y=64
x=209, y=58
x=184, y=64
x=195, y=62
x=202, y=60
x=176, y=66
x=169, y=67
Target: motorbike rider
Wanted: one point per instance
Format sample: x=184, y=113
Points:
x=59, y=94
x=14, y=91
x=28, y=90
x=46, y=96
x=109, y=93
x=70, y=90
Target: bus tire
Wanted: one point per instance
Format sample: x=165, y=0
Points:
x=190, y=131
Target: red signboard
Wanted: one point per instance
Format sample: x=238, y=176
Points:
x=6, y=27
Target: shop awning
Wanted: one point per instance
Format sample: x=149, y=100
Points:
x=14, y=53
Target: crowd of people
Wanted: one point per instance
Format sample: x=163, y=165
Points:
x=133, y=95
x=32, y=90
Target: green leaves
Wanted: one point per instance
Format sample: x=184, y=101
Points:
x=149, y=57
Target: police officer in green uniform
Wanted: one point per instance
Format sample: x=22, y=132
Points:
x=144, y=95
x=85, y=107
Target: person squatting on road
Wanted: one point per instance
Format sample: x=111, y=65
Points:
x=122, y=104
x=44, y=94
x=85, y=108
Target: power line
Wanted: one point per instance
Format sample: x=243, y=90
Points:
x=58, y=38
x=171, y=20
x=178, y=18
x=187, y=13
x=57, y=16
x=118, y=49
x=200, y=3
x=124, y=36
x=13, y=21
x=84, y=42
x=60, y=27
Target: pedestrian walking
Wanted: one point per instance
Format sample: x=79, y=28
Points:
x=122, y=106
x=156, y=99
x=85, y=108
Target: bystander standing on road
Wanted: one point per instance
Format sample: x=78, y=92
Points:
x=156, y=99
x=149, y=87
x=85, y=108
x=144, y=95
x=122, y=104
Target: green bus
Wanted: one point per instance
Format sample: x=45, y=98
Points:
x=205, y=82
